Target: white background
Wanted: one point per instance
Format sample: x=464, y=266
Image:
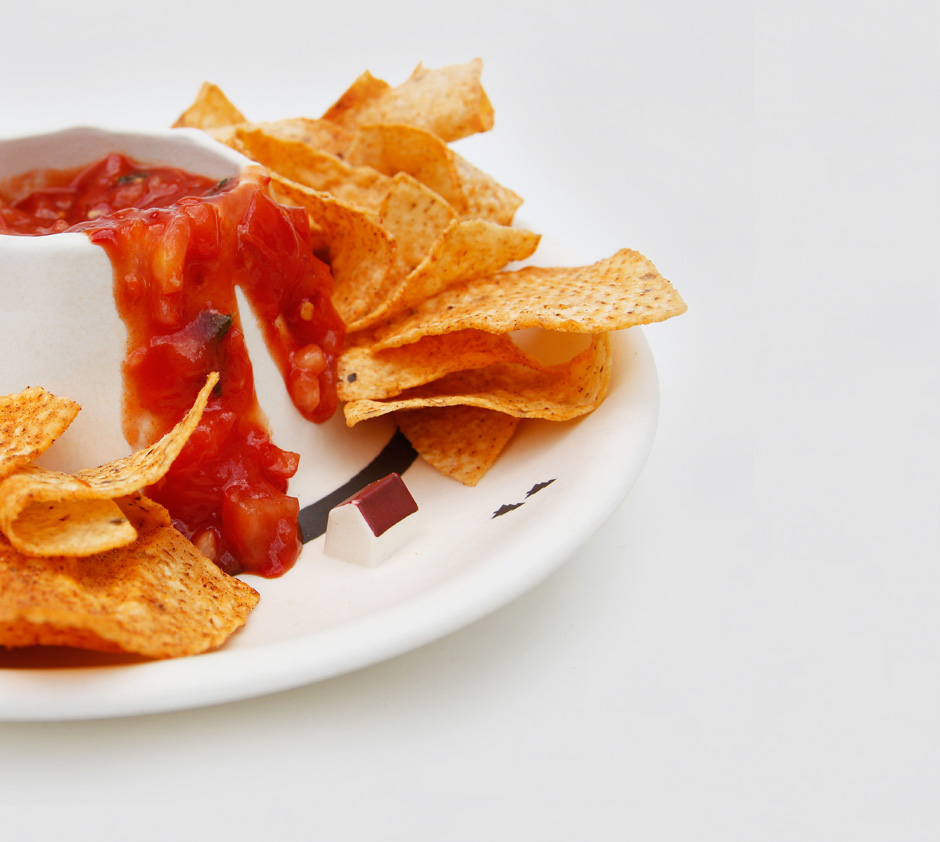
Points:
x=748, y=649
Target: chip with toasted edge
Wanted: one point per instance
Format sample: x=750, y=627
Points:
x=158, y=597
x=211, y=109
x=361, y=250
x=461, y=442
x=616, y=293
x=556, y=393
x=395, y=148
x=364, y=373
x=321, y=135
x=314, y=168
x=484, y=197
x=416, y=217
x=448, y=101
x=465, y=250
x=46, y=513
x=30, y=421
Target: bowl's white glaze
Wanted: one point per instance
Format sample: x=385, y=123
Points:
x=59, y=326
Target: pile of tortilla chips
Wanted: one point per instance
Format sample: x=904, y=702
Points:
x=419, y=241
x=87, y=561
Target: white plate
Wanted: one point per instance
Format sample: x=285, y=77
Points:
x=327, y=617
x=476, y=549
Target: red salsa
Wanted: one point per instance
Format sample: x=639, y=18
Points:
x=180, y=244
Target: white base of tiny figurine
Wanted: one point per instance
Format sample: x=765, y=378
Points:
x=348, y=537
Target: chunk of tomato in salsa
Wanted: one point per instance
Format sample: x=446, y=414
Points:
x=179, y=245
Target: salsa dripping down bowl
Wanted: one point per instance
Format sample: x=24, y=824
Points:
x=59, y=326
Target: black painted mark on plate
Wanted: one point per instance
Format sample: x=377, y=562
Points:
x=509, y=507
x=396, y=457
x=506, y=507
x=535, y=489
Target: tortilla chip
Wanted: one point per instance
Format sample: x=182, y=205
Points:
x=622, y=291
x=395, y=148
x=30, y=421
x=158, y=597
x=210, y=110
x=361, y=251
x=364, y=373
x=465, y=250
x=321, y=135
x=47, y=513
x=448, y=101
x=416, y=216
x=363, y=187
x=483, y=196
x=556, y=393
x=461, y=442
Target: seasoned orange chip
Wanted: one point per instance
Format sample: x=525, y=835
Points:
x=395, y=148
x=364, y=372
x=416, y=216
x=321, y=135
x=465, y=250
x=362, y=252
x=30, y=421
x=448, y=101
x=158, y=597
x=556, y=393
x=483, y=196
x=46, y=513
x=619, y=292
x=314, y=168
x=210, y=110
x=461, y=442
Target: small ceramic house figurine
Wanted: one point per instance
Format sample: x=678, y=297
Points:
x=373, y=524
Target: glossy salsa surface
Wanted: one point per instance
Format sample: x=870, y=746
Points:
x=179, y=245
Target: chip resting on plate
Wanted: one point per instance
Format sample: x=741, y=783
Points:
x=158, y=597
x=556, y=393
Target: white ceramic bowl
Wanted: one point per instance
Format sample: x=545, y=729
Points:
x=59, y=327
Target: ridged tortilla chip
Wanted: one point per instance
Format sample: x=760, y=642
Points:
x=448, y=101
x=483, y=196
x=465, y=249
x=366, y=373
x=556, y=393
x=30, y=421
x=400, y=148
x=158, y=597
x=397, y=148
x=461, y=442
x=619, y=292
x=362, y=251
x=47, y=513
x=416, y=216
x=363, y=187
x=321, y=135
